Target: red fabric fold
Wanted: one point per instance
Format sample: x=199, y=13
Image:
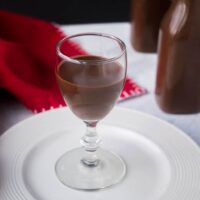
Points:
x=28, y=60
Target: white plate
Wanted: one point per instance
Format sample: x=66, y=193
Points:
x=162, y=162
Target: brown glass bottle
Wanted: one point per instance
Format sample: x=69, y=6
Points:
x=178, y=76
x=146, y=17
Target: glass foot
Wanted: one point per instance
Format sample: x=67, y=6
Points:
x=73, y=172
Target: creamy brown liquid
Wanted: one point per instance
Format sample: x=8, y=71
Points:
x=178, y=76
x=90, y=90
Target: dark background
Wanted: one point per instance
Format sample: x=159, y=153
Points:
x=73, y=11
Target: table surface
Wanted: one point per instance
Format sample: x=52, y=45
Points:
x=141, y=67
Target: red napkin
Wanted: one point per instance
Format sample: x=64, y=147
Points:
x=28, y=60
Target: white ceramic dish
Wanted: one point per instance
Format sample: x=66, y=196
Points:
x=162, y=162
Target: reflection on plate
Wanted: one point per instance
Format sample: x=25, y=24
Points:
x=163, y=163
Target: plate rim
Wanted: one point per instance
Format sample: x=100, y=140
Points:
x=146, y=117
x=122, y=109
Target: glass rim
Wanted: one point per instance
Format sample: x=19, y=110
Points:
x=106, y=60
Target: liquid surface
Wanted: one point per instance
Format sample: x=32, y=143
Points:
x=91, y=89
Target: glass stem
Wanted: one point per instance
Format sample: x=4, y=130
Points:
x=90, y=142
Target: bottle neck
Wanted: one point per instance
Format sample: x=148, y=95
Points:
x=185, y=18
x=193, y=13
x=191, y=4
